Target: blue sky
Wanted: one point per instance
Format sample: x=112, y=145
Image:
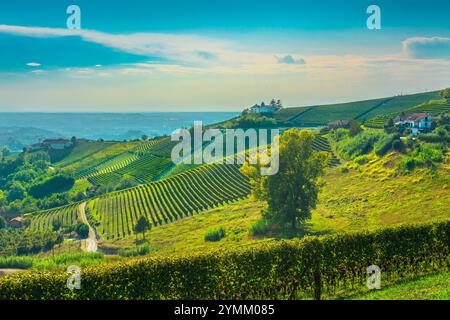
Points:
x=216, y=55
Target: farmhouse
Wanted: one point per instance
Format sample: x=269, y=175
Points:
x=57, y=144
x=271, y=108
x=417, y=122
x=335, y=124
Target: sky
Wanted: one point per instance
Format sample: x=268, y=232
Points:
x=179, y=55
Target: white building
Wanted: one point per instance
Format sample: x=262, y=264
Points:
x=271, y=108
x=416, y=122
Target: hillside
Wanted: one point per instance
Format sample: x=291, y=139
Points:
x=434, y=107
x=359, y=110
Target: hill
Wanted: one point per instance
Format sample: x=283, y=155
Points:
x=433, y=107
x=359, y=110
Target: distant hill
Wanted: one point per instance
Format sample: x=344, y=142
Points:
x=358, y=110
x=15, y=138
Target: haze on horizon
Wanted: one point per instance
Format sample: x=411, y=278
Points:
x=205, y=56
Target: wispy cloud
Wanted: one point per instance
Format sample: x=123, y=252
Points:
x=427, y=48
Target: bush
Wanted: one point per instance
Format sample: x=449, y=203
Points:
x=352, y=147
x=259, y=228
x=275, y=270
x=423, y=156
x=82, y=230
x=362, y=159
x=384, y=144
x=215, y=234
x=55, y=184
x=141, y=250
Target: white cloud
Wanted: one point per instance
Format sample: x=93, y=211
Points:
x=33, y=64
x=427, y=48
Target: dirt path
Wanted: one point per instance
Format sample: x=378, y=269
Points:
x=90, y=244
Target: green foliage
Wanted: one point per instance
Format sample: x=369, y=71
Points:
x=260, y=227
x=142, y=226
x=140, y=250
x=55, y=184
x=3, y=223
x=277, y=270
x=422, y=156
x=82, y=230
x=56, y=262
x=445, y=94
x=293, y=191
x=16, y=192
x=27, y=241
x=362, y=159
x=385, y=143
x=352, y=147
x=251, y=121
x=355, y=128
x=215, y=234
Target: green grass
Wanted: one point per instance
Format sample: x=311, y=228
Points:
x=430, y=287
x=56, y=262
x=359, y=110
x=170, y=199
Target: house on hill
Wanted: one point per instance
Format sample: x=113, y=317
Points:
x=271, y=108
x=417, y=122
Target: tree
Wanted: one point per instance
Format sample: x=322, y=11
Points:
x=82, y=230
x=292, y=193
x=16, y=192
x=144, y=137
x=355, y=128
x=74, y=140
x=445, y=94
x=5, y=152
x=142, y=226
x=3, y=223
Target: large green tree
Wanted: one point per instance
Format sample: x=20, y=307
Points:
x=292, y=193
x=445, y=94
x=142, y=226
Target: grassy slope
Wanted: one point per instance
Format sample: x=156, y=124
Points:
x=367, y=197
x=87, y=154
x=432, y=287
x=319, y=115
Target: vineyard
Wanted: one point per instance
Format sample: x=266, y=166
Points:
x=43, y=221
x=322, y=144
x=168, y=200
x=144, y=162
x=434, y=107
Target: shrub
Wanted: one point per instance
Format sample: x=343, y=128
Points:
x=384, y=144
x=215, y=234
x=362, y=159
x=141, y=250
x=352, y=147
x=259, y=228
x=274, y=270
x=55, y=184
x=82, y=230
x=423, y=156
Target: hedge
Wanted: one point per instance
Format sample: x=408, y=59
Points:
x=274, y=270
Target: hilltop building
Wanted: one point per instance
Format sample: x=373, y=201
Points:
x=417, y=122
x=271, y=108
x=50, y=144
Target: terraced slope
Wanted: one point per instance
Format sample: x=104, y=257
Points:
x=144, y=162
x=322, y=144
x=168, y=200
x=434, y=107
x=43, y=220
x=359, y=110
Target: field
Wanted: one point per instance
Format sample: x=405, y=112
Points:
x=168, y=200
x=359, y=110
x=67, y=215
x=434, y=107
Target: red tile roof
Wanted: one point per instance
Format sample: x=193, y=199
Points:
x=415, y=117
